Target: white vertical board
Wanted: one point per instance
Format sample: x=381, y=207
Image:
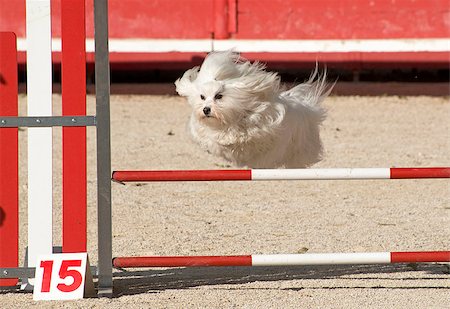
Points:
x=39, y=88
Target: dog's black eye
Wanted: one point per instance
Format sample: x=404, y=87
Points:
x=202, y=97
x=218, y=96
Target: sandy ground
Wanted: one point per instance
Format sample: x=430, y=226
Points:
x=148, y=132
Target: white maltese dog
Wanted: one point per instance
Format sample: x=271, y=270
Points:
x=241, y=113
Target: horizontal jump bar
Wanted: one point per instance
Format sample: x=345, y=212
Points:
x=48, y=121
x=282, y=174
x=284, y=259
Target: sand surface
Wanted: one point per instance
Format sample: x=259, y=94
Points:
x=148, y=132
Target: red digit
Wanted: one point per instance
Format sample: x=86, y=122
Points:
x=47, y=275
x=65, y=272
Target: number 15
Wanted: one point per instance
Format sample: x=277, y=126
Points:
x=64, y=272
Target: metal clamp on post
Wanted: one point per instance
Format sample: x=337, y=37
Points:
x=48, y=121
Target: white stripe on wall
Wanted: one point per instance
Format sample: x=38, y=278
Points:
x=274, y=46
x=338, y=46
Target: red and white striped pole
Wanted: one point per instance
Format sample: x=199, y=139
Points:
x=282, y=174
x=284, y=259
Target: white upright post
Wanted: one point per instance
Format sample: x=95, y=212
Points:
x=39, y=88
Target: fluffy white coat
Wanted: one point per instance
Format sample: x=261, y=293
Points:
x=241, y=112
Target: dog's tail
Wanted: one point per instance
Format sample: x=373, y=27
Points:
x=313, y=91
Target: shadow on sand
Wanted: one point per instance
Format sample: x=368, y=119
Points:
x=155, y=280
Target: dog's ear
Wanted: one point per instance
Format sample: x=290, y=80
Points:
x=184, y=85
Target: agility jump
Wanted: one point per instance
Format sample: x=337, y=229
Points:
x=284, y=259
x=40, y=121
x=75, y=240
x=282, y=174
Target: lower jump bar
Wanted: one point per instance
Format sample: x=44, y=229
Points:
x=284, y=259
x=282, y=174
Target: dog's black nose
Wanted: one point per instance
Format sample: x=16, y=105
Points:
x=207, y=110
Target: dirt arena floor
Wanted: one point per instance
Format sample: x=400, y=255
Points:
x=148, y=132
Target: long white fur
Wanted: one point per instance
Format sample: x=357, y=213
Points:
x=255, y=123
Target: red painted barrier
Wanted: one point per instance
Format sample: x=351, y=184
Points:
x=345, y=19
x=257, y=19
x=9, y=175
x=183, y=20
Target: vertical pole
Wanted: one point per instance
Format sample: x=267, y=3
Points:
x=73, y=80
x=102, y=80
x=39, y=88
x=9, y=174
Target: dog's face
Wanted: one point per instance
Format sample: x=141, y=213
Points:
x=223, y=91
x=210, y=103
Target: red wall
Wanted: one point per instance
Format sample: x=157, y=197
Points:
x=262, y=19
x=344, y=19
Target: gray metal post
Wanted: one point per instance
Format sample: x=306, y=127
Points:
x=102, y=80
